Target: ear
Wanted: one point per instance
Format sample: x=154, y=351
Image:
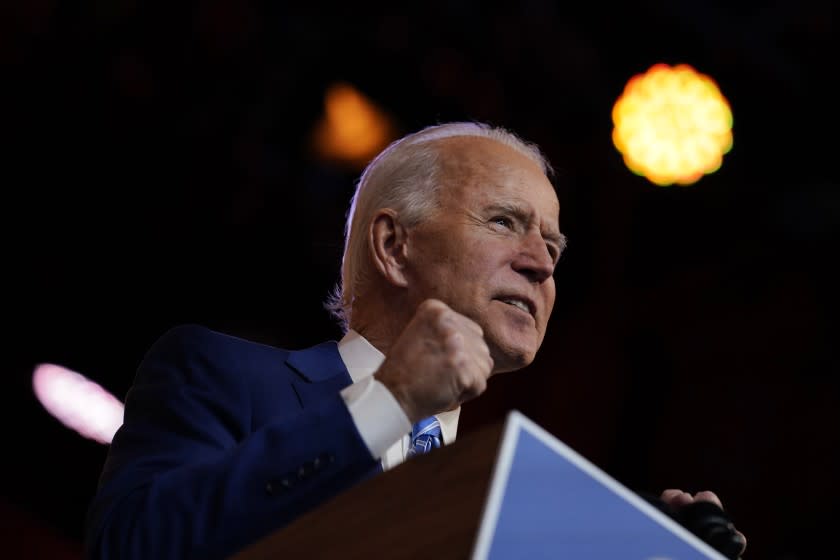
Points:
x=386, y=239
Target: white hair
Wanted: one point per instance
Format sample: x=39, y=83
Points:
x=406, y=177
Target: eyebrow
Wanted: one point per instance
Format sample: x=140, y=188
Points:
x=526, y=216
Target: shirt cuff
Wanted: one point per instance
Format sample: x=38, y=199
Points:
x=378, y=416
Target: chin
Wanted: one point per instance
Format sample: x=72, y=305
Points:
x=511, y=357
x=513, y=343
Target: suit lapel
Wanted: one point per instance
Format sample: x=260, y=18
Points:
x=321, y=372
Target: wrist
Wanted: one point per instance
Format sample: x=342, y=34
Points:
x=400, y=395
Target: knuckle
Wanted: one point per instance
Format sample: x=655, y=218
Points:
x=706, y=495
x=455, y=361
x=452, y=336
x=433, y=305
x=444, y=320
x=427, y=304
x=429, y=308
x=463, y=378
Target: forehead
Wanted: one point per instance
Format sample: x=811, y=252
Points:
x=481, y=170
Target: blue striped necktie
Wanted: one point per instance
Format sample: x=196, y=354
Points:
x=425, y=436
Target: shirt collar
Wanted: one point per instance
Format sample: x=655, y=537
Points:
x=362, y=359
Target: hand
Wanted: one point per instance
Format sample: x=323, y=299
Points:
x=677, y=500
x=439, y=361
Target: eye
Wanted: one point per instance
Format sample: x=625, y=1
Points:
x=503, y=221
x=555, y=249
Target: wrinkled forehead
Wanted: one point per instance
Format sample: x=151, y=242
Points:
x=483, y=167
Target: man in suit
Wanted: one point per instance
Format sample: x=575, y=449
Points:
x=451, y=242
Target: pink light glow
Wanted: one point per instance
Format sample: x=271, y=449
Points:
x=77, y=402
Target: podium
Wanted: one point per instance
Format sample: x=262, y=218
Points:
x=510, y=490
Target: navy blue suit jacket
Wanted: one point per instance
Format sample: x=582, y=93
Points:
x=224, y=440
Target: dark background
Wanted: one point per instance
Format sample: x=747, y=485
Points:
x=157, y=171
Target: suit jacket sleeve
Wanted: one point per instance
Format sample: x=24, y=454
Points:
x=188, y=475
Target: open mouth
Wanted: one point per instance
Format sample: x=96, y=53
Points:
x=519, y=303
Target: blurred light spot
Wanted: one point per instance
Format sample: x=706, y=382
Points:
x=77, y=402
x=672, y=125
x=353, y=129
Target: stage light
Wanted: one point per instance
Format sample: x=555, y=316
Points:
x=77, y=402
x=353, y=128
x=672, y=125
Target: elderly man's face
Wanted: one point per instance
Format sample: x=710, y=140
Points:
x=490, y=252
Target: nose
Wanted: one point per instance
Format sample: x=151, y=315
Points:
x=534, y=260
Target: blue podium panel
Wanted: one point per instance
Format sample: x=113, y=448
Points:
x=546, y=501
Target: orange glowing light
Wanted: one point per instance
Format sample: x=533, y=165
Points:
x=672, y=125
x=353, y=129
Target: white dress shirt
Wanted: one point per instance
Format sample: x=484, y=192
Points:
x=380, y=419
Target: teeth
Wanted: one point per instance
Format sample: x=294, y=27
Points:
x=517, y=303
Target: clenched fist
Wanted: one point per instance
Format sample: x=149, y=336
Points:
x=439, y=361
